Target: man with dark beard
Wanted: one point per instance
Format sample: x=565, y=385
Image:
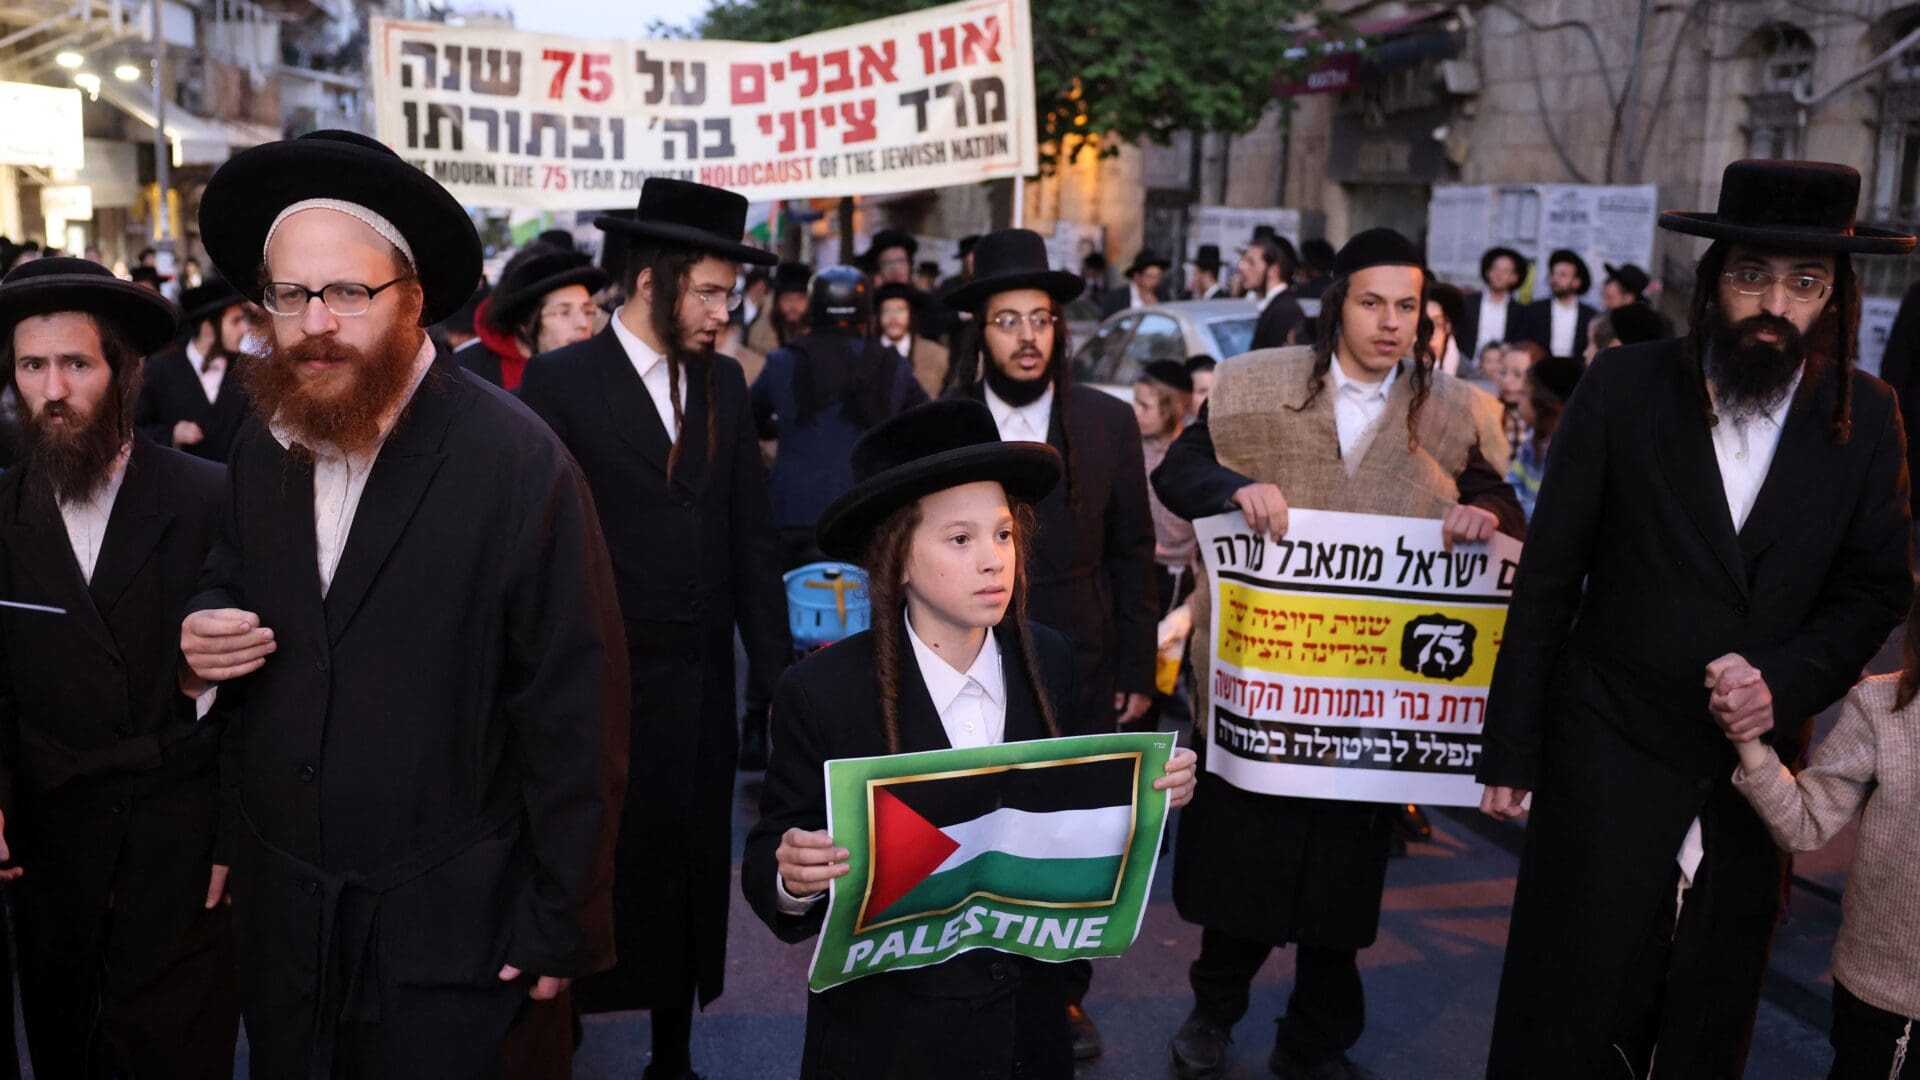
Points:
x=1720, y=541
x=662, y=429
x=187, y=400
x=1092, y=567
x=1558, y=323
x=109, y=774
x=412, y=598
x=785, y=318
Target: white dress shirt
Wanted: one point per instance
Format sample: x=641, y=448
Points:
x=972, y=705
x=1358, y=406
x=1138, y=298
x=211, y=373
x=1493, y=320
x=1566, y=319
x=903, y=346
x=340, y=479
x=1022, y=423
x=87, y=521
x=652, y=367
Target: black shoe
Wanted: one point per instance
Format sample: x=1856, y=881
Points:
x=1199, y=1049
x=1286, y=1064
x=1413, y=824
x=1086, y=1037
x=753, y=746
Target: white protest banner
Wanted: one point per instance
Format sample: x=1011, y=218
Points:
x=1351, y=659
x=510, y=119
x=1599, y=222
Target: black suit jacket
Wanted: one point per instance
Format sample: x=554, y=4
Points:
x=1469, y=332
x=951, y=1019
x=1900, y=367
x=474, y=356
x=1535, y=323
x=1633, y=577
x=171, y=392
x=1278, y=321
x=693, y=557
x=453, y=708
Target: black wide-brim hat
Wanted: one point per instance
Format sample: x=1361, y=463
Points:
x=209, y=299
x=790, y=276
x=923, y=450
x=1795, y=205
x=1207, y=257
x=1009, y=259
x=884, y=239
x=1145, y=259
x=900, y=290
x=64, y=283
x=690, y=215
x=516, y=297
x=246, y=194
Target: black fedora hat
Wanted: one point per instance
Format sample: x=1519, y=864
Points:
x=1144, y=259
x=1572, y=257
x=248, y=193
x=1629, y=277
x=64, y=283
x=1207, y=257
x=925, y=449
x=544, y=269
x=791, y=276
x=208, y=299
x=1009, y=259
x=1797, y=205
x=1520, y=262
x=966, y=245
x=900, y=290
x=696, y=216
x=882, y=240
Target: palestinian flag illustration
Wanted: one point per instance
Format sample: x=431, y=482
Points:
x=1053, y=833
x=1044, y=848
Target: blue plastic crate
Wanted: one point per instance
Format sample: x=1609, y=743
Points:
x=826, y=601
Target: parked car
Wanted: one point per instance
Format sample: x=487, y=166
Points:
x=1112, y=356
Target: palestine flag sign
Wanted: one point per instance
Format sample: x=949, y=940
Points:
x=1043, y=848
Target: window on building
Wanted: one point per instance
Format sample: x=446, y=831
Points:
x=1776, y=122
x=1897, y=187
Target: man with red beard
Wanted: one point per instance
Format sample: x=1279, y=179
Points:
x=661, y=426
x=1720, y=542
x=413, y=601
x=109, y=774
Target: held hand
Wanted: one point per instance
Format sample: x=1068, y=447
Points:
x=6, y=855
x=1503, y=803
x=1741, y=702
x=1179, y=779
x=217, y=887
x=808, y=862
x=1131, y=707
x=187, y=433
x=545, y=987
x=1467, y=525
x=1264, y=507
x=223, y=644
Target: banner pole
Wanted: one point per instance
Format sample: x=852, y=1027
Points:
x=1020, y=202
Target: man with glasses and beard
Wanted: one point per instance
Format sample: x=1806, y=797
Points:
x=187, y=400
x=1092, y=568
x=109, y=774
x=1721, y=541
x=413, y=602
x=661, y=426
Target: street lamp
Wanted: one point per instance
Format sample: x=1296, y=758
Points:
x=127, y=72
x=70, y=60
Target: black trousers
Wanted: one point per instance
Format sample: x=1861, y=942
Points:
x=1326, y=1012
x=1866, y=1039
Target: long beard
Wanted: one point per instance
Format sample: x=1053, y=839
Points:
x=1751, y=378
x=1017, y=392
x=71, y=462
x=343, y=407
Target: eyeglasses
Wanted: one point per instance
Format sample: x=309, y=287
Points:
x=710, y=297
x=1007, y=321
x=346, y=299
x=1803, y=288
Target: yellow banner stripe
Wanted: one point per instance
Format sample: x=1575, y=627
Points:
x=1356, y=638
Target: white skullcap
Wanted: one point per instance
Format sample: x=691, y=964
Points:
x=355, y=210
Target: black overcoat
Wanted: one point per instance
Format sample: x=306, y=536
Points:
x=1091, y=565
x=170, y=392
x=476, y=357
x=981, y=1014
x=110, y=782
x=693, y=558
x=1321, y=864
x=1632, y=581
x=1534, y=322
x=429, y=766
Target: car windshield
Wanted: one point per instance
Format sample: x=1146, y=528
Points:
x=1231, y=337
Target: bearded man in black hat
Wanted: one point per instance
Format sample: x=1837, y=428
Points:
x=1488, y=315
x=1092, y=562
x=661, y=425
x=1720, y=543
x=1358, y=422
x=109, y=774
x=1204, y=283
x=1146, y=284
x=1558, y=322
x=412, y=598
x=187, y=400
x=786, y=317
x=894, y=306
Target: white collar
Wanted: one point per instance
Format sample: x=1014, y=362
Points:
x=1344, y=383
x=642, y=354
x=422, y=361
x=1038, y=413
x=196, y=358
x=1571, y=303
x=945, y=682
x=1273, y=292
